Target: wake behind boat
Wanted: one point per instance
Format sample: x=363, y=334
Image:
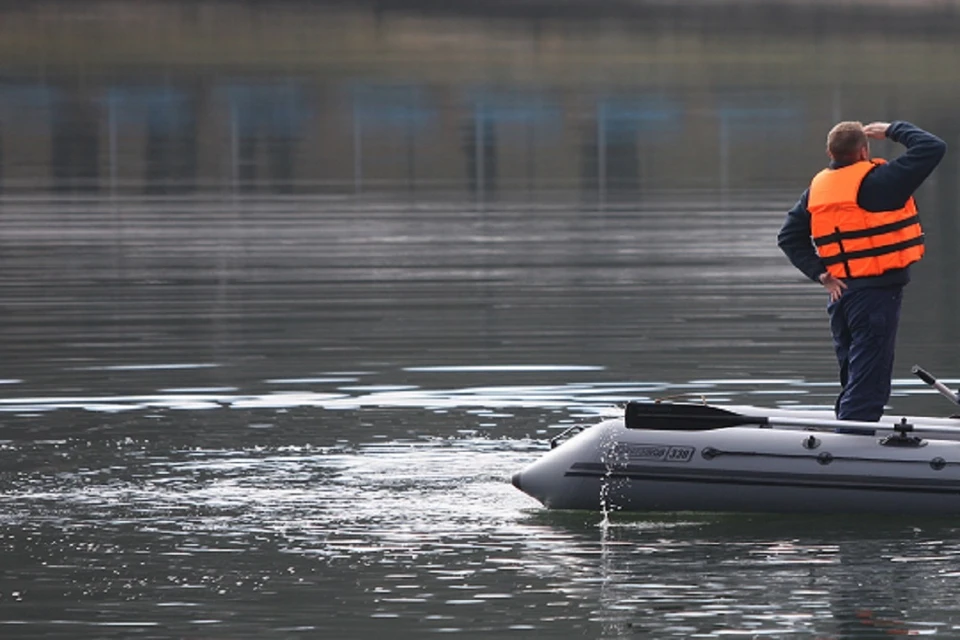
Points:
x=697, y=457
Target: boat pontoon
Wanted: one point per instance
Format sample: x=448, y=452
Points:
x=698, y=457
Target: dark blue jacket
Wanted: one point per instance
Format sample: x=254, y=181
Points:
x=885, y=188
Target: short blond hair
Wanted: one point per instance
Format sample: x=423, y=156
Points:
x=845, y=141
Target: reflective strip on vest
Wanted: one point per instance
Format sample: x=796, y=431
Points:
x=853, y=242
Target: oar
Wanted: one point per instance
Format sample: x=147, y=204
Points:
x=696, y=417
x=936, y=384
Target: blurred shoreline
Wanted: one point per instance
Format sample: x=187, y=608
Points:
x=523, y=40
x=481, y=99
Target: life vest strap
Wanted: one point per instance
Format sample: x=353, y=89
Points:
x=837, y=236
x=873, y=252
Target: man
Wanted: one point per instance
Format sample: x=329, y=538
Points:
x=855, y=230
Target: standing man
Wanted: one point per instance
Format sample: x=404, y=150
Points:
x=855, y=230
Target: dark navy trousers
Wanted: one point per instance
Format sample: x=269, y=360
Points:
x=864, y=326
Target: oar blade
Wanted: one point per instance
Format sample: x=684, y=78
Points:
x=682, y=417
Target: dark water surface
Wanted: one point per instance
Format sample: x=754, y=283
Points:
x=226, y=427
x=287, y=296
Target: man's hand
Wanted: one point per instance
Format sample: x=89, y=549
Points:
x=876, y=130
x=833, y=285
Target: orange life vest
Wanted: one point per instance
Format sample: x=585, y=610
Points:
x=854, y=242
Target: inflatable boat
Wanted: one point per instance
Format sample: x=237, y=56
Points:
x=699, y=457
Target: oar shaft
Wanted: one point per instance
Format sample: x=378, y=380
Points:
x=936, y=384
x=945, y=390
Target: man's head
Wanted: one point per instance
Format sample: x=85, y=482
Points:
x=847, y=143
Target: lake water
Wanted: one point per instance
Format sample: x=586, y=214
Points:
x=228, y=428
x=250, y=392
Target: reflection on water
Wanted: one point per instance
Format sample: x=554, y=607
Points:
x=289, y=293
x=125, y=298
x=372, y=508
x=418, y=534
x=593, y=397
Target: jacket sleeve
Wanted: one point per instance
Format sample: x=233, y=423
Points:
x=795, y=242
x=890, y=185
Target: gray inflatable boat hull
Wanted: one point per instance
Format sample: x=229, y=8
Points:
x=748, y=469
